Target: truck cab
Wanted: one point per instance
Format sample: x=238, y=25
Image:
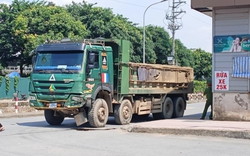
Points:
x=68, y=75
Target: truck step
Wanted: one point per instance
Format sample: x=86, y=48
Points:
x=156, y=108
x=144, y=108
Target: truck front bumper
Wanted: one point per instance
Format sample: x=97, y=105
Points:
x=73, y=102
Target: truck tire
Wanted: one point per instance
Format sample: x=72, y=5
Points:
x=123, y=113
x=98, y=114
x=179, y=107
x=167, y=110
x=51, y=119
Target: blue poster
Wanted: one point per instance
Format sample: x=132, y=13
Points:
x=232, y=43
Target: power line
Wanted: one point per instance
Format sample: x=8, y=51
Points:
x=198, y=19
x=118, y=1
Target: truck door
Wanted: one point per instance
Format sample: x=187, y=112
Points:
x=98, y=71
x=93, y=70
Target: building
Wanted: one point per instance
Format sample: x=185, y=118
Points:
x=231, y=56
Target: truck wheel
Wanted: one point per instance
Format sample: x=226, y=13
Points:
x=167, y=110
x=179, y=107
x=123, y=113
x=98, y=114
x=51, y=119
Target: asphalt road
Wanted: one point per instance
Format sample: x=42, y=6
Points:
x=193, y=111
x=33, y=136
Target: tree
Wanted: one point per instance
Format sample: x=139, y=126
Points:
x=8, y=13
x=24, y=25
x=33, y=25
x=161, y=43
x=202, y=64
x=95, y=19
x=184, y=56
x=101, y=22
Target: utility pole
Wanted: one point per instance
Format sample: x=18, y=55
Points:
x=174, y=24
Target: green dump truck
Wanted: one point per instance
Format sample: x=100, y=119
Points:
x=94, y=79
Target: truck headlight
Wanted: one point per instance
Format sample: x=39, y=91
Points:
x=32, y=98
x=77, y=98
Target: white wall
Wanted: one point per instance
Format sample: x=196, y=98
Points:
x=233, y=104
x=230, y=22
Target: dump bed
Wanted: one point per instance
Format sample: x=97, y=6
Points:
x=143, y=78
x=157, y=79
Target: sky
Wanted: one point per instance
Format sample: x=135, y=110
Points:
x=196, y=30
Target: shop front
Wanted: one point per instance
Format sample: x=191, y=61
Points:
x=231, y=56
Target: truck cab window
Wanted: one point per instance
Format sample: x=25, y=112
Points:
x=96, y=64
x=93, y=59
x=71, y=60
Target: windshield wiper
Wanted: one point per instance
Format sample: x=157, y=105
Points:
x=66, y=71
x=44, y=71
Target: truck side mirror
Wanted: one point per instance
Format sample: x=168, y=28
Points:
x=90, y=66
x=91, y=60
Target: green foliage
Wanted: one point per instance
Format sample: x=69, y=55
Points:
x=101, y=22
x=16, y=80
x=25, y=24
x=183, y=56
x=96, y=19
x=202, y=64
x=161, y=45
x=7, y=82
x=9, y=44
x=35, y=25
x=199, y=86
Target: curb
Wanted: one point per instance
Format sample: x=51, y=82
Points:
x=195, y=101
x=198, y=132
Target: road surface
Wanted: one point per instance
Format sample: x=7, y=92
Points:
x=33, y=136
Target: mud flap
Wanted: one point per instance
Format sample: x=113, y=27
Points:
x=81, y=118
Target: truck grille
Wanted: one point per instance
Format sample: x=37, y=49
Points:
x=61, y=89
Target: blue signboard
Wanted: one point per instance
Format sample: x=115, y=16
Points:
x=232, y=43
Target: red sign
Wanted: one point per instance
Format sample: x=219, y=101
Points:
x=221, y=80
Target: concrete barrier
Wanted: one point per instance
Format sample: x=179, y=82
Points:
x=9, y=106
x=196, y=97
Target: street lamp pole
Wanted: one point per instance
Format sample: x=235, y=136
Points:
x=144, y=34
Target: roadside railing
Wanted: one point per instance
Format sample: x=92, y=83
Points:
x=195, y=97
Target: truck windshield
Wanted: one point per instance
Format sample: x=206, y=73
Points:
x=59, y=60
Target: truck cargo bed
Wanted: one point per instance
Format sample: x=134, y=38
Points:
x=158, y=79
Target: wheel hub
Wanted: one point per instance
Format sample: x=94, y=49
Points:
x=167, y=108
x=101, y=114
x=126, y=112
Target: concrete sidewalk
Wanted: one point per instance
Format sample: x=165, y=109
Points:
x=197, y=127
